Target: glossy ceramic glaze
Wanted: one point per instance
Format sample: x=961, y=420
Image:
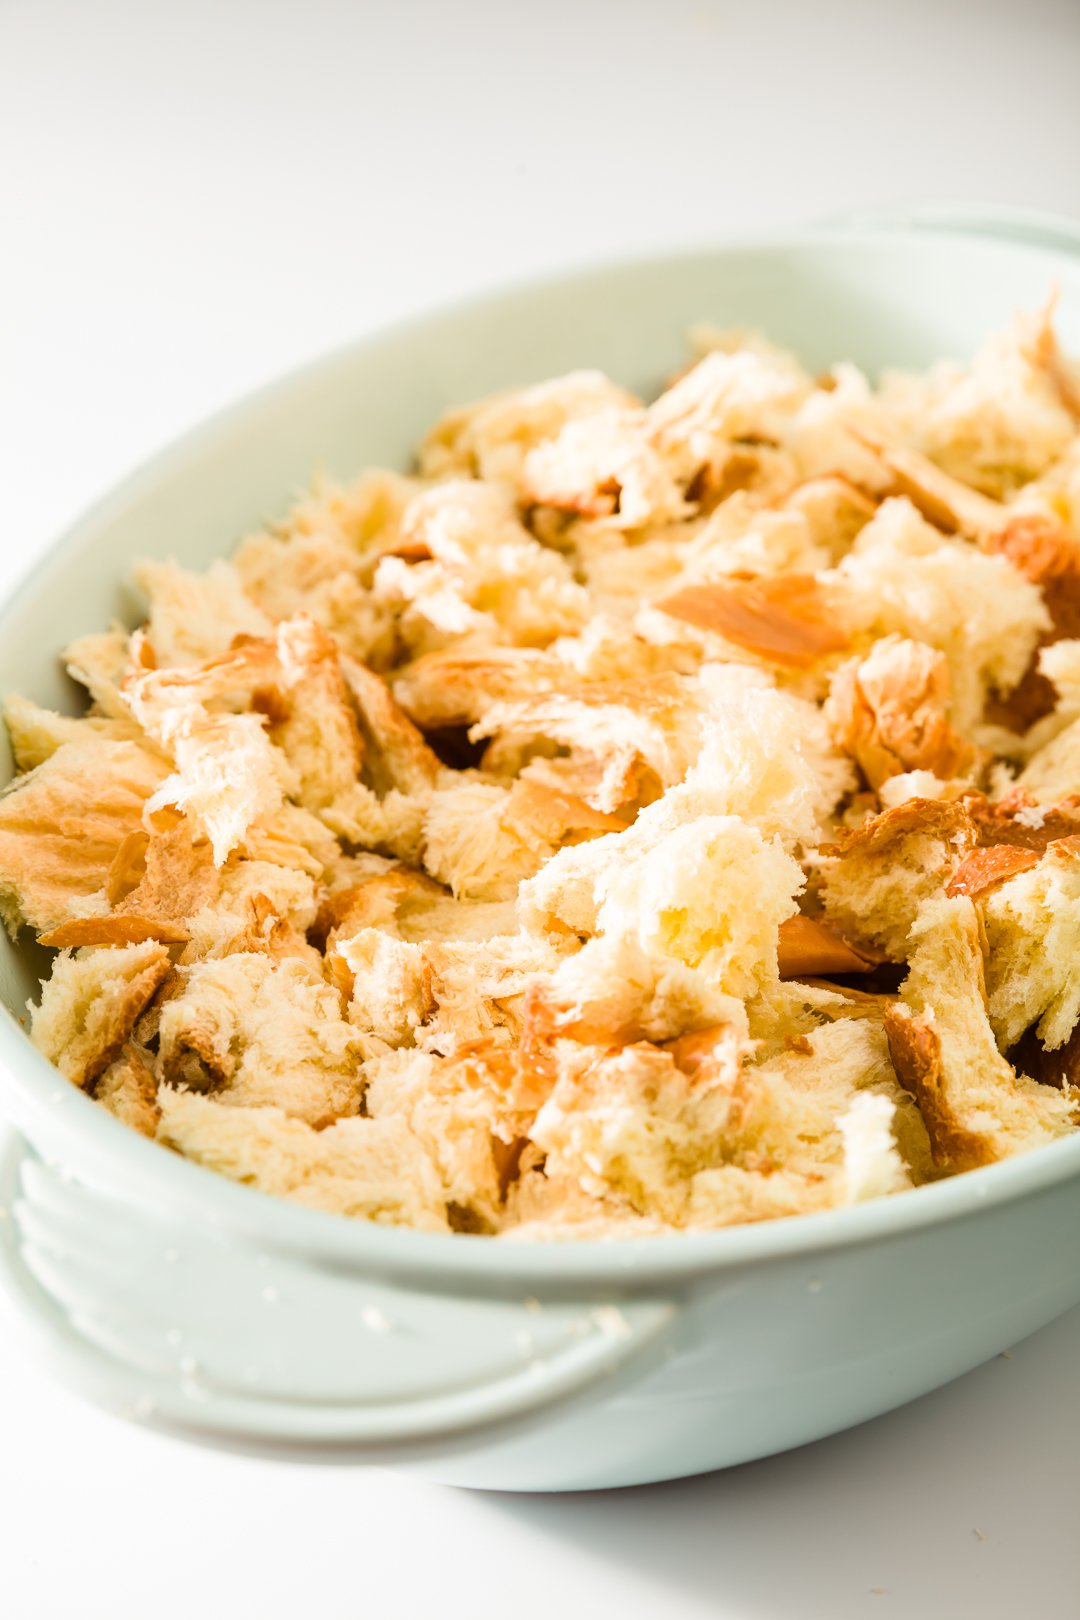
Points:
x=183, y=1300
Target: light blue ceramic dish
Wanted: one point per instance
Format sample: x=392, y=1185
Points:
x=186, y=1301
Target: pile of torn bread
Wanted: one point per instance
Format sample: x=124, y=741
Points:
x=641, y=818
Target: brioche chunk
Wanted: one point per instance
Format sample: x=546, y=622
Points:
x=374, y=1169
x=975, y=1107
x=259, y=1031
x=875, y=878
x=1033, y=932
x=648, y=814
x=64, y=823
x=89, y=1006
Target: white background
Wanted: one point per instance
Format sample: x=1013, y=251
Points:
x=194, y=196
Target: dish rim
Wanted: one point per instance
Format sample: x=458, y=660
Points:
x=79, y=1131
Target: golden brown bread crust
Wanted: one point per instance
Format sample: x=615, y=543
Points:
x=114, y=930
x=988, y=865
x=807, y=948
x=944, y=500
x=62, y=825
x=889, y=711
x=128, y=1089
x=92, y=1003
x=915, y=1050
x=785, y=621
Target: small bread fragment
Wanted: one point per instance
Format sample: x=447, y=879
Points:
x=36, y=733
x=994, y=424
x=1040, y=548
x=62, y=824
x=1033, y=932
x=370, y=1169
x=1019, y=822
x=739, y=395
x=875, y=878
x=1045, y=553
x=1052, y=772
x=807, y=947
x=480, y=573
x=395, y=754
x=89, y=1006
x=604, y=466
x=634, y=1122
x=470, y=1113
x=114, y=930
x=944, y=500
x=455, y=688
x=296, y=735
x=989, y=865
x=261, y=1032
x=835, y=510
x=312, y=720
x=904, y=576
x=101, y=663
x=192, y=616
x=655, y=723
x=227, y=772
x=889, y=711
x=710, y=892
x=475, y=846
x=394, y=979
x=165, y=873
x=613, y=992
x=975, y=1107
x=1041, y=346
x=786, y=620
x=490, y=438
x=128, y=1089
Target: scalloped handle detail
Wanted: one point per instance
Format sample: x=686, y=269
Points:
x=201, y=1332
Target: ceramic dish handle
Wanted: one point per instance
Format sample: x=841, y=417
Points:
x=201, y=1330
x=1035, y=229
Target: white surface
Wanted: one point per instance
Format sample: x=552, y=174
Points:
x=195, y=196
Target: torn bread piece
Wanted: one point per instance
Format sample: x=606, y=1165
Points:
x=637, y=1123
x=101, y=662
x=63, y=824
x=373, y=1170
x=394, y=754
x=605, y=466
x=192, y=616
x=743, y=394
x=613, y=992
x=996, y=423
x=469, y=567
x=36, y=733
x=1032, y=924
x=1050, y=775
x=128, y=1090
x=267, y=720
x=904, y=577
x=490, y=438
x=889, y=711
x=975, y=1107
x=874, y=880
x=90, y=1005
x=787, y=621
x=470, y=1112
x=259, y=1032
